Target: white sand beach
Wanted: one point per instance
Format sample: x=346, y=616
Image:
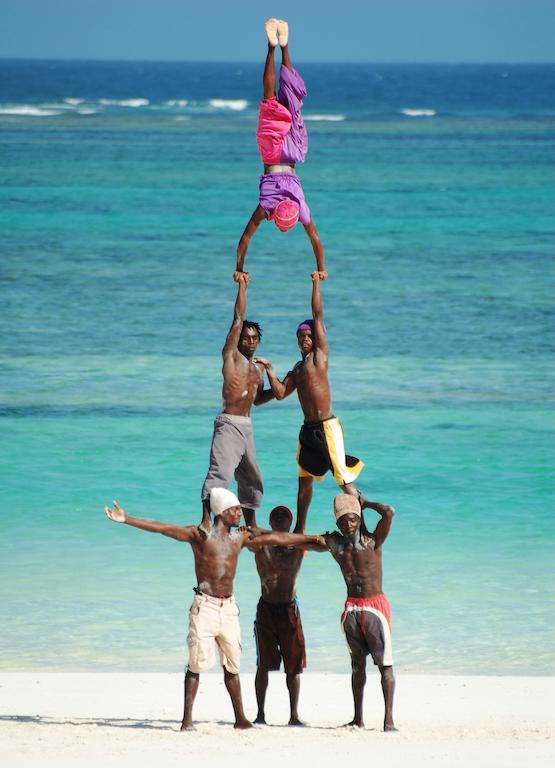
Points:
x=132, y=719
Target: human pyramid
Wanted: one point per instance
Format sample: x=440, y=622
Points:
x=214, y=614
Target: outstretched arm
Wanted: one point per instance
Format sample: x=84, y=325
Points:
x=283, y=539
x=188, y=533
x=317, y=247
x=320, y=341
x=280, y=389
x=242, y=247
x=238, y=316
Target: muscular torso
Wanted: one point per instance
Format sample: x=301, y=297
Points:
x=313, y=388
x=216, y=561
x=242, y=379
x=278, y=568
x=360, y=563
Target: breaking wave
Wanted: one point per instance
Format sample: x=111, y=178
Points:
x=236, y=104
x=418, y=112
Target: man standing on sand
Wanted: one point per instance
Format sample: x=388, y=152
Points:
x=214, y=615
x=321, y=447
x=232, y=452
x=278, y=631
x=366, y=619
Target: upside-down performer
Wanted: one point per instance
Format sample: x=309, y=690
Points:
x=283, y=142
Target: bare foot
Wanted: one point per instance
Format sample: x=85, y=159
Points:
x=389, y=727
x=295, y=721
x=282, y=32
x=242, y=724
x=187, y=726
x=260, y=720
x=271, y=29
x=354, y=724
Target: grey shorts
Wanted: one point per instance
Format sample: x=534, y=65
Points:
x=232, y=455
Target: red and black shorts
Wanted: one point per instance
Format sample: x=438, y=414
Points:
x=278, y=633
x=366, y=622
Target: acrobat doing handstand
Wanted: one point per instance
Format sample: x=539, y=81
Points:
x=282, y=141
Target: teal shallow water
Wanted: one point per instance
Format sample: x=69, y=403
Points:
x=118, y=232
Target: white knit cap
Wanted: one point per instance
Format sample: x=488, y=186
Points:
x=344, y=504
x=222, y=499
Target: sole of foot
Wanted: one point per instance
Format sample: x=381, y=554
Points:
x=282, y=33
x=271, y=29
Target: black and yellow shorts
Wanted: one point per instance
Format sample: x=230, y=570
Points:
x=321, y=448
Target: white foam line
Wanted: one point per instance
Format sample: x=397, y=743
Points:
x=325, y=118
x=234, y=104
x=418, y=112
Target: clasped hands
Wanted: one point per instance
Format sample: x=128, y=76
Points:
x=244, y=277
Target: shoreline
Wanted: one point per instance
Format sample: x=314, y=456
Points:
x=66, y=718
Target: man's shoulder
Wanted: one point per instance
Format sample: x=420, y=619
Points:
x=368, y=540
x=335, y=540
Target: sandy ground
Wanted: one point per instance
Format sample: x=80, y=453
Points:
x=79, y=719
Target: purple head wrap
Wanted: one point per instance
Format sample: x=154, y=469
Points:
x=306, y=325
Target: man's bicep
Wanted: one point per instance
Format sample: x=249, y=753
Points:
x=381, y=531
x=289, y=383
x=252, y=225
x=232, y=338
x=320, y=340
x=186, y=533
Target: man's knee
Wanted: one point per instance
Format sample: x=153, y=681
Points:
x=387, y=674
x=305, y=483
x=358, y=663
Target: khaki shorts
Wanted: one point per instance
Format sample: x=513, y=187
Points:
x=214, y=619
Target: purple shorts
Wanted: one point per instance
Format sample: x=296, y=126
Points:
x=275, y=187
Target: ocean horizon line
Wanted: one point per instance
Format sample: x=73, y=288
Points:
x=301, y=62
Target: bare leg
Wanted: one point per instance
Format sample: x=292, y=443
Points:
x=191, y=688
x=269, y=76
x=304, y=497
x=261, y=686
x=294, y=688
x=285, y=59
x=250, y=516
x=388, y=688
x=233, y=685
x=358, y=681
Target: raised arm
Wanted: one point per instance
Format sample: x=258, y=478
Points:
x=280, y=389
x=320, y=341
x=317, y=247
x=239, y=312
x=386, y=512
x=242, y=247
x=188, y=533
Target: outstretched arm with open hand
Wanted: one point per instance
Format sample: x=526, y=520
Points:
x=188, y=533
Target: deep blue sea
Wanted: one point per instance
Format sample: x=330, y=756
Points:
x=125, y=187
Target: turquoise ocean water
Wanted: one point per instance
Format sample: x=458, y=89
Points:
x=125, y=189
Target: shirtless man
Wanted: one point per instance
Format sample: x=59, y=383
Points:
x=282, y=142
x=277, y=629
x=366, y=619
x=214, y=615
x=321, y=446
x=232, y=452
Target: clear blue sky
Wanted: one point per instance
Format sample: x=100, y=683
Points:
x=230, y=30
